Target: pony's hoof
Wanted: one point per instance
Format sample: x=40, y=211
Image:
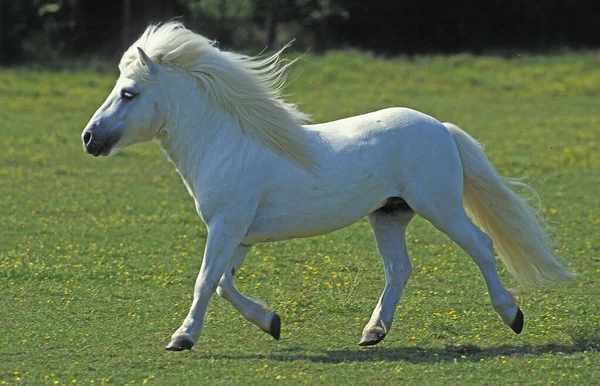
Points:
x=371, y=338
x=517, y=324
x=179, y=344
x=275, y=327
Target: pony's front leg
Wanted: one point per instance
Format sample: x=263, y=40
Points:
x=253, y=310
x=220, y=246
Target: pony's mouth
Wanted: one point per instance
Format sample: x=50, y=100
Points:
x=101, y=149
x=104, y=150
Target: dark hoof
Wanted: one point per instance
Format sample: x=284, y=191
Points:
x=371, y=338
x=517, y=324
x=275, y=328
x=179, y=344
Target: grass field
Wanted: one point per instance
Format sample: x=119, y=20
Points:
x=98, y=256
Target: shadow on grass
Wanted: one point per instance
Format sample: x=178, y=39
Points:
x=418, y=355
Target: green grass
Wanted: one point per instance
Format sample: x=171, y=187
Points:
x=98, y=256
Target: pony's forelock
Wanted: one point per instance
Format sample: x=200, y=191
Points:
x=248, y=88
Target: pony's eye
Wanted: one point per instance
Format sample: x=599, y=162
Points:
x=127, y=95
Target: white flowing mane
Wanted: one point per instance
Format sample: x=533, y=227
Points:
x=246, y=87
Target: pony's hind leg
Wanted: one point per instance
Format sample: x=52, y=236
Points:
x=454, y=222
x=254, y=310
x=389, y=225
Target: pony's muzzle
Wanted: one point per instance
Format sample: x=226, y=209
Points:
x=96, y=143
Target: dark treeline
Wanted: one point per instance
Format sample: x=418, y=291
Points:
x=41, y=30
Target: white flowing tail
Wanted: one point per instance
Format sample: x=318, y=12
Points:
x=520, y=240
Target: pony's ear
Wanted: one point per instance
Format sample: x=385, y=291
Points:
x=146, y=61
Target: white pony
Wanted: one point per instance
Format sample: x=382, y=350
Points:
x=258, y=174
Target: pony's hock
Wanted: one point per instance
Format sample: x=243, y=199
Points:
x=257, y=173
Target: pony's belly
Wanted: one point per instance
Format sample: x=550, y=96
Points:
x=307, y=222
x=277, y=228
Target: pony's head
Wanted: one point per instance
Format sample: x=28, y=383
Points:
x=136, y=109
x=124, y=118
x=169, y=64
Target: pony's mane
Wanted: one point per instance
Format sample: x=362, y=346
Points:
x=248, y=88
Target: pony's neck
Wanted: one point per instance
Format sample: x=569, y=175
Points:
x=198, y=136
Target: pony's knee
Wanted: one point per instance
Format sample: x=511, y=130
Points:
x=224, y=288
x=222, y=292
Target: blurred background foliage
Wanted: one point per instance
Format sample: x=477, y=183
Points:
x=47, y=30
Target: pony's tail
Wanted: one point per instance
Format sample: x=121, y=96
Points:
x=513, y=225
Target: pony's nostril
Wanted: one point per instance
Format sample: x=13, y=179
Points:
x=87, y=138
